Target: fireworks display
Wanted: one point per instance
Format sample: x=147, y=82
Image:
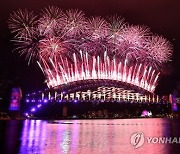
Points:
x=70, y=47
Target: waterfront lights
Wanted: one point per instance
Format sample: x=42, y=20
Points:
x=39, y=105
x=33, y=110
x=45, y=100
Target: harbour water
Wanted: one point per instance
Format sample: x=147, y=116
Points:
x=86, y=136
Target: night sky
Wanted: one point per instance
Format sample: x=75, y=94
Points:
x=162, y=16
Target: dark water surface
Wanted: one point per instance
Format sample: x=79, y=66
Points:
x=86, y=136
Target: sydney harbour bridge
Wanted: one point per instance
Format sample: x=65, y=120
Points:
x=89, y=60
x=98, y=95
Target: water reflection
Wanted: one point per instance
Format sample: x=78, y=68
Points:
x=33, y=136
x=93, y=136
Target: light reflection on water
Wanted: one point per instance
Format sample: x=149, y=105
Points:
x=93, y=136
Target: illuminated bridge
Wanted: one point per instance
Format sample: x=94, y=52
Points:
x=89, y=90
x=93, y=92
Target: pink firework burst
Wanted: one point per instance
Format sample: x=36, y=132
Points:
x=135, y=36
x=73, y=23
x=22, y=23
x=98, y=28
x=116, y=26
x=132, y=42
x=160, y=50
x=52, y=48
x=49, y=21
